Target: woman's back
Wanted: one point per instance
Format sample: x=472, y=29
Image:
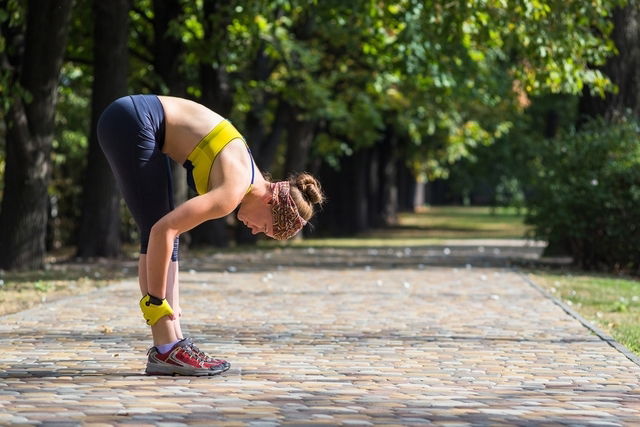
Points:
x=186, y=123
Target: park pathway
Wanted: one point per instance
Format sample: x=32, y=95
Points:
x=401, y=336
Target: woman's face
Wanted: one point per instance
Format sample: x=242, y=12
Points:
x=257, y=216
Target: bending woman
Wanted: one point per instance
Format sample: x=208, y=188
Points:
x=139, y=134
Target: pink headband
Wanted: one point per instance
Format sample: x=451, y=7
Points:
x=287, y=221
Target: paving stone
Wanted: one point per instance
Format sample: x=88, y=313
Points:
x=411, y=340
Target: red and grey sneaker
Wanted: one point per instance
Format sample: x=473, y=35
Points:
x=181, y=360
x=222, y=364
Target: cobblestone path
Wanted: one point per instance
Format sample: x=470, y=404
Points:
x=352, y=337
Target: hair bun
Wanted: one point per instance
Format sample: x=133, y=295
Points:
x=309, y=187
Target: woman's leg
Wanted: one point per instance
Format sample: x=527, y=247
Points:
x=164, y=331
x=173, y=296
x=130, y=132
x=130, y=135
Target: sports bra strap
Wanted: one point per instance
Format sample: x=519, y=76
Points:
x=201, y=159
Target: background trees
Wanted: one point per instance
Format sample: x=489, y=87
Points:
x=31, y=72
x=374, y=97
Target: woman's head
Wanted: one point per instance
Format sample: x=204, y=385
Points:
x=292, y=204
x=283, y=207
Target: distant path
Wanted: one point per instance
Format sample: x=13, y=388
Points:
x=355, y=337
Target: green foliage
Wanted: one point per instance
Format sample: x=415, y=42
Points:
x=141, y=73
x=446, y=78
x=69, y=153
x=72, y=124
x=480, y=60
x=504, y=169
x=586, y=195
x=41, y=286
x=509, y=192
x=441, y=74
x=12, y=20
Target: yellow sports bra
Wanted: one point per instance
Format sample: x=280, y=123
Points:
x=200, y=161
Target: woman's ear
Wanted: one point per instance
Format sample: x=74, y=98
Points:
x=268, y=198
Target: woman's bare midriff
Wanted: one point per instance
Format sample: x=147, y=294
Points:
x=186, y=123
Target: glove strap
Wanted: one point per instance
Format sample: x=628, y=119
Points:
x=153, y=309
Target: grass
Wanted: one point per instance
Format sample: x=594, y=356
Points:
x=435, y=225
x=612, y=303
x=25, y=289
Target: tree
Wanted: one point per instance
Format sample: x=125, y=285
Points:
x=99, y=232
x=359, y=90
x=623, y=69
x=23, y=215
x=456, y=86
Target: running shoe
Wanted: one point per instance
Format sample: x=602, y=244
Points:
x=216, y=362
x=181, y=360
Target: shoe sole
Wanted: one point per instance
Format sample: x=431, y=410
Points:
x=189, y=372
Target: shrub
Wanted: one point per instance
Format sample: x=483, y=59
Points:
x=586, y=194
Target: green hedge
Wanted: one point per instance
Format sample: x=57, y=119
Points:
x=586, y=195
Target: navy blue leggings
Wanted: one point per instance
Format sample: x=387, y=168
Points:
x=131, y=134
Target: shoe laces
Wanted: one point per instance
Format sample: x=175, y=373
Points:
x=202, y=354
x=205, y=357
x=194, y=354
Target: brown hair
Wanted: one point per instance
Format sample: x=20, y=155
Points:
x=306, y=192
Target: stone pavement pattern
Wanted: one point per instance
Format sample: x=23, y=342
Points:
x=360, y=337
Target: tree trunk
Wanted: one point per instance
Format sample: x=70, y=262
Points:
x=623, y=69
x=333, y=216
x=167, y=56
x=263, y=139
x=168, y=50
x=419, y=195
x=406, y=187
x=348, y=210
x=23, y=218
x=269, y=143
x=357, y=192
x=100, y=223
x=300, y=133
x=388, y=213
x=168, y=53
x=373, y=188
x=217, y=90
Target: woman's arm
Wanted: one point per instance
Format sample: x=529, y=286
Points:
x=229, y=172
x=216, y=203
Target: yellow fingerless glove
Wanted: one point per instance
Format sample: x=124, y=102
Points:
x=153, y=309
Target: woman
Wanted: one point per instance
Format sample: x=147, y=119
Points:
x=139, y=134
